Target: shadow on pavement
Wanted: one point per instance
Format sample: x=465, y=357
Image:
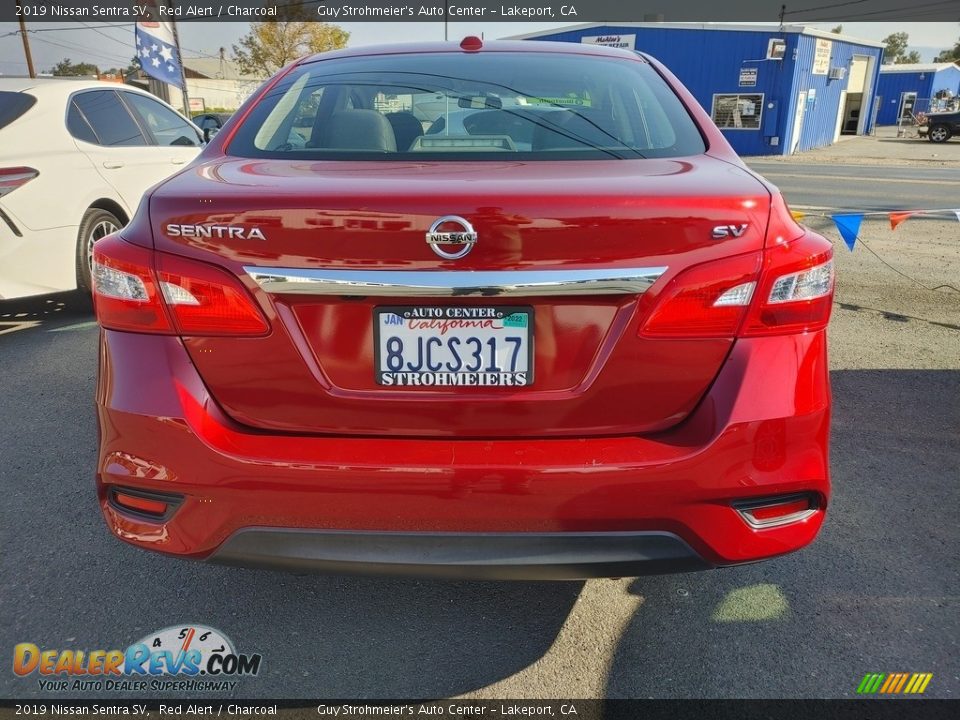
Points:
x=877, y=591
x=31, y=312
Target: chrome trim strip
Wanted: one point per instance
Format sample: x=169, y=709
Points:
x=455, y=283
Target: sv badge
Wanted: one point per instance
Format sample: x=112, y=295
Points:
x=721, y=232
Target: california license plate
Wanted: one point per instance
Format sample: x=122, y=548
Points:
x=453, y=346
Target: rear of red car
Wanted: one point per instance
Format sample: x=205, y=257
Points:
x=508, y=311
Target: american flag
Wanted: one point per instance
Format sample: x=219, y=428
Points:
x=157, y=52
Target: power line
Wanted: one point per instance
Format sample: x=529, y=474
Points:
x=75, y=48
x=110, y=37
x=908, y=13
x=824, y=7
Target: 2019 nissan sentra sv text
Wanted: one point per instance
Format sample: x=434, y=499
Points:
x=489, y=310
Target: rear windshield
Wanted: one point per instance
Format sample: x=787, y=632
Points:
x=13, y=105
x=457, y=106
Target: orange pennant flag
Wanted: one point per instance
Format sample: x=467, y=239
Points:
x=797, y=215
x=898, y=217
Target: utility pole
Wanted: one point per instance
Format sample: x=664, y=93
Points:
x=26, y=44
x=783, y=11
x=183, y=70
x=446, y=13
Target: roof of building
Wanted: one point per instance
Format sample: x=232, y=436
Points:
x=796, y=29
x=918, y=67
x=214, y=68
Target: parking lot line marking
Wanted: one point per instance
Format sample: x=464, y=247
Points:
x=899, y=181
x=9, y=327
x=76, y=326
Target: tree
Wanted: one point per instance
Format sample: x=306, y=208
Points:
x=271, y=45
x=895, y=49
x=66, y=68
x=950, y=55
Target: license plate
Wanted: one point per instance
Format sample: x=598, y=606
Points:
x=453, y=346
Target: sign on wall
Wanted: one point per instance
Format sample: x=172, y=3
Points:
x=197, y=104
x=821, y=56
x=748, y=77
x=624, y=42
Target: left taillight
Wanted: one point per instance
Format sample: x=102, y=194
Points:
x=13, y=177
x=139, y=290
x=125, y=291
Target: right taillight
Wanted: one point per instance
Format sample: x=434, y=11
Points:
x=795, y=293
x=787, y=288
x=180, y=296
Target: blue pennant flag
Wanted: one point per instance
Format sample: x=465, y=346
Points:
x=849, y=226
x=157, y=52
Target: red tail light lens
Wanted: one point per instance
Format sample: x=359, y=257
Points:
x=181, y=296
x=13, y=177
x=788, y=288
x=204, y=300
x=708, y=300
x=796, y=290
x=125, y=293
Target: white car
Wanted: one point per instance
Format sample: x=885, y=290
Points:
x=75, y=158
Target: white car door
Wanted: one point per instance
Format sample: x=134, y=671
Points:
x=120, y=144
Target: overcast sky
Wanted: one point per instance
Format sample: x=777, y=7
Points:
x=113, y=45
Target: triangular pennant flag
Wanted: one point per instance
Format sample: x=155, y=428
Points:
x=898, y=217
x=849, y=226
x=797, y=215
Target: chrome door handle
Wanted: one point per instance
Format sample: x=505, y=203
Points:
x=112, y=165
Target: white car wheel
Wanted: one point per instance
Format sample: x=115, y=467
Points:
x=96, y=225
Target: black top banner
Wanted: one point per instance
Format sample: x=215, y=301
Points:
x=571, y=11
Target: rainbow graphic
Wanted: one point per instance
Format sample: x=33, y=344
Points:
x=894, y=683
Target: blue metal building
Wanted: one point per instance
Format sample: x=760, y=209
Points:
x=923, y=87
x=772, y=90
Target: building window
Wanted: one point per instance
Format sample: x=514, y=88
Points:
x=738, y=112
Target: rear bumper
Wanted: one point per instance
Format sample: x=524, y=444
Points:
x=560, y=507
x=488, y=556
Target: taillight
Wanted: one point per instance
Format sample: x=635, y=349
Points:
x=204, y=300
x=788, y=288
x=13, y=177
x=125, y=292
x=706, y=301
x=182, y=296
x=795, y=293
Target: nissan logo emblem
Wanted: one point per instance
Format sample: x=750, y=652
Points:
x=465, y=236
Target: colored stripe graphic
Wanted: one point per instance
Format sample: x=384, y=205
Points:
x=894, y=683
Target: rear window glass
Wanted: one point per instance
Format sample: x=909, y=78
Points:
x=470, y=107
x=13, y=105
x=109, y=118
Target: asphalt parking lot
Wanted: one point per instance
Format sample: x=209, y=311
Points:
x=877, y=592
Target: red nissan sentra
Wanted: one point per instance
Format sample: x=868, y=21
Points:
x=500, y=310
